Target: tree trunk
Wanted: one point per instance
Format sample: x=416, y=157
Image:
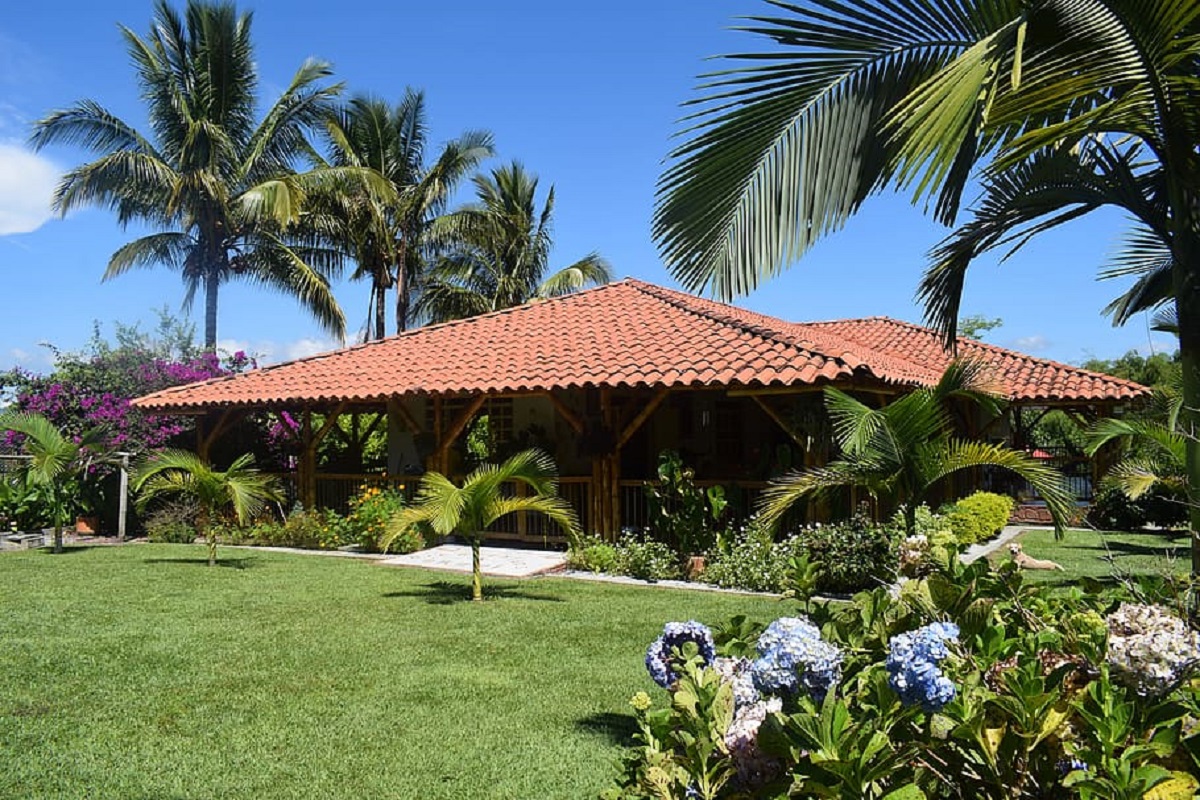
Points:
x=476, y=572
x=1187, y=300
x=402, y=288
x=58, y=548
x=211, y=282
x=380, y=311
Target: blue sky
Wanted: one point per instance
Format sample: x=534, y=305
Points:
x=585, y=94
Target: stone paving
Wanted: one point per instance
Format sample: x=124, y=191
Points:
x=502, y=562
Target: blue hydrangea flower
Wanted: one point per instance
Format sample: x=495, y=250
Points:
x=912, y=665
x=793, y=658
x=674, y=635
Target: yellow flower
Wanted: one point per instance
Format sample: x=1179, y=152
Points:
x=640, y=701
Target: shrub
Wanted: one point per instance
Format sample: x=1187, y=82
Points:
x=850, y=555
x=173, y=522
x=592, y=554
x=313, y=530
x=980, y=516
x=749, y=560
x=681, y=513
x=968, y=684
x=1111, y=510
x=370, y=512
x=647, y=559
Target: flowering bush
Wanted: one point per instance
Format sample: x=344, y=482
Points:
x=912, y=666
x=670, y=645
x=793, y=658
x=371, y=511
x=1150, y=649
x=965, y=683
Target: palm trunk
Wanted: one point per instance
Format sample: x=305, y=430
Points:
x=211, y=281
x=476, y=572
x=1187, y=299
x=380, y=311
x=402, y=288
x=58, y=548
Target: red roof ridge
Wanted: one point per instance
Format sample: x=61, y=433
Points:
x=997, y=349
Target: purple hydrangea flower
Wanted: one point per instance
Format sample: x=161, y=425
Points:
x=674, y=636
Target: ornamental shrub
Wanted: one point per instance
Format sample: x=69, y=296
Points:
x=979, y=516
x=172, y=522
x=851, y=555
x=592, y=554
x=751, y=561
x=370, y=512
x=647, y=559
x=966, y=683
x=1111, y=510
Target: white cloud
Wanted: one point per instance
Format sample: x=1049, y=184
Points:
x=269, y=352
x=1032, y=344
x=302, y=348
x=27, y=184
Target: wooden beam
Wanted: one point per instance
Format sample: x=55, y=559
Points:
x=330, y=421
x=222, y=425
x=636, y=423
x=774, y=415
x=456, y=428
x=395, y=405
x=370, y=429
x=565, y=412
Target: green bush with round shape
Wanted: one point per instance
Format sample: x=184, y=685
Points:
x=979, y=516
x=592, y=554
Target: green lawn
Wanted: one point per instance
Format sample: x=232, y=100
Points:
x=1102, y=554
x=138, y=673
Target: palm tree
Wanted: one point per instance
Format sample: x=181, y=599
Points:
x=219, y=187
x=241, y=491
x=1069, y=105
x=469, y=509
x=384, y=234
x=496, y=252
x=899, y=453
x=57, y=465
x=1154, y=447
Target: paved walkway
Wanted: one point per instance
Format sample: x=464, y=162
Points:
x=1010, y=532
x=502, y=562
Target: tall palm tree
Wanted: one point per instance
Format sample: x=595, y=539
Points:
x=1067, y=105
x=495, y=253
x=384, y=234
x=469, y=509
x=218, y=185
x=901, y=452
x=240, y=491
x=57, y=464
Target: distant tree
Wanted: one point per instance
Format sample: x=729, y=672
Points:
x=495, y=253
x=219, y=187
x=58, y=464
x=468, y=510
x=975, y=326
x=1158, y=370
x=384, y=232
x=240, y=491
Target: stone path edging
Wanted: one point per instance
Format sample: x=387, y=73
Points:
x=1010, y=532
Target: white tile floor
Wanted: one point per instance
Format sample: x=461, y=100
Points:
x=499, y=561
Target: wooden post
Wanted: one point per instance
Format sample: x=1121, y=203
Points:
x=308, y=463
x=437, y=465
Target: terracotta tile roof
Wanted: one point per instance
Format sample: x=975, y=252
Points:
x=628, y=333
x=1021, y=376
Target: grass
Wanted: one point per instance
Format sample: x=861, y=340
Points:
x=138, y=672
x=1104, y=555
